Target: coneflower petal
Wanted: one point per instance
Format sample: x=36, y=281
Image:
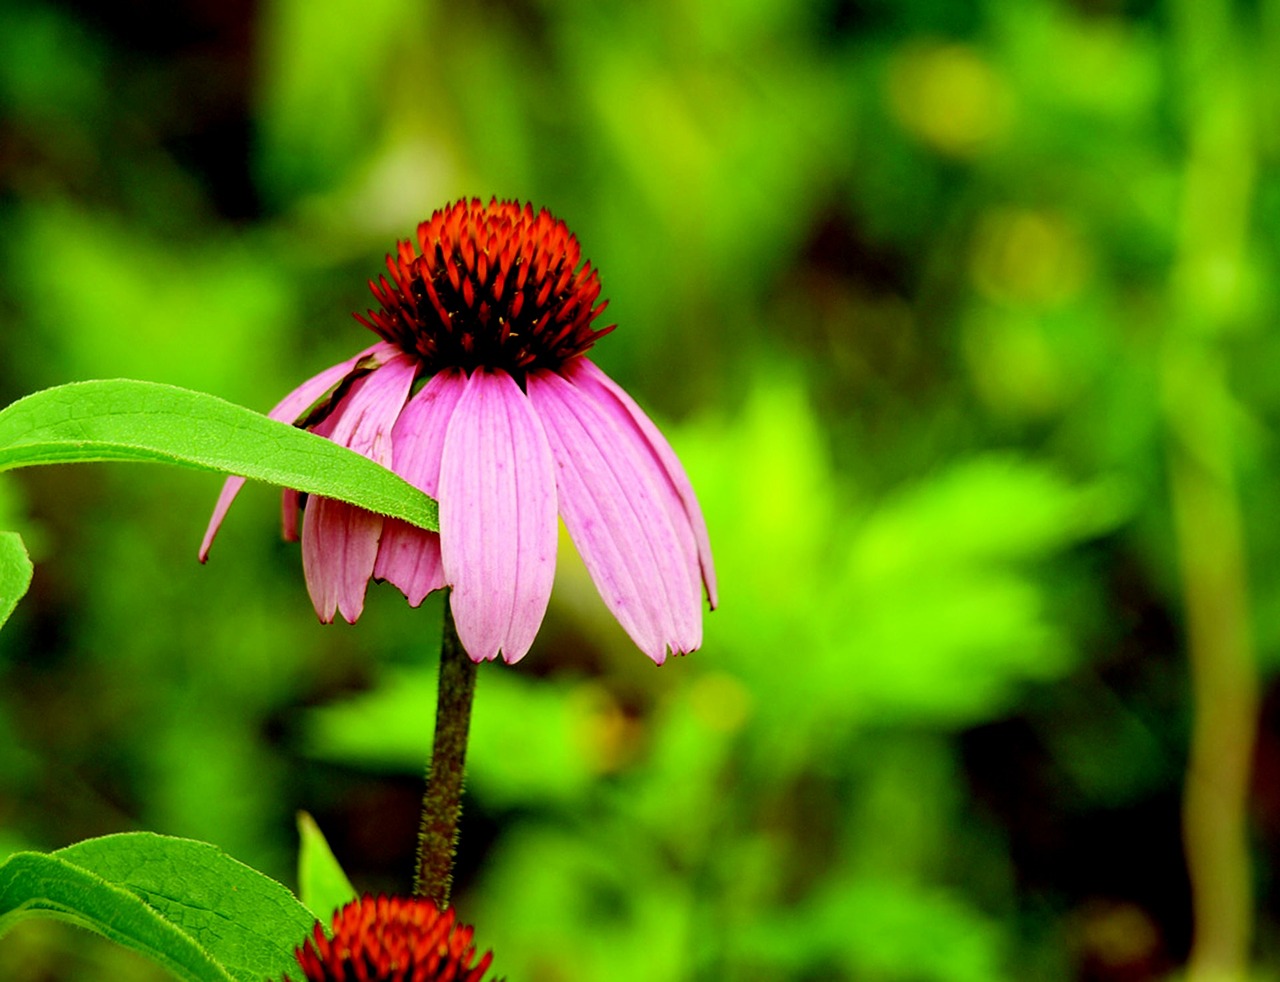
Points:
x=497, y=517
x=623, y=514
x=287, y=410
x=587, y=376
x=409, y=557
x=340, y=541
x=339, y=547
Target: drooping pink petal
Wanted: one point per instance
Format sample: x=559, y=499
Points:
x=369, y=411
x=339, y=546
x=587, y=376
x=409, y=557
x=290, y=499
x=287, y=410
x=624, y=515
x=289, y=515
x=497, y=517
x=340, y=541
x=230, y=488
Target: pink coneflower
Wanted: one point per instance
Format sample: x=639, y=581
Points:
x=492, y=311
x=391, y=939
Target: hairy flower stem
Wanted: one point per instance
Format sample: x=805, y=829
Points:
x=442, y=802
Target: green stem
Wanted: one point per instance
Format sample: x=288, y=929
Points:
x=1216, y=218
x=442, y=802
x=1210, y=540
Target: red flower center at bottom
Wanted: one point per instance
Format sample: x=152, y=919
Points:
x=392, y=939
x=492, y=286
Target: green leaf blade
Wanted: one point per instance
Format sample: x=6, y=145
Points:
x=15, y=573
x=33, y=884
x=129, y=420
x=322, y=884
x=247, y=922
x=184, y=904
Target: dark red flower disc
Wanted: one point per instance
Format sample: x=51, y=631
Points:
x=392, y=939
x=493, y=286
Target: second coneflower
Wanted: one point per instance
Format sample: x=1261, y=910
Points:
x=480, y=394
x=392, y=939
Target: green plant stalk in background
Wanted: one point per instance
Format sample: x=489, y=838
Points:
x=1224, y=685
x=1199, y=412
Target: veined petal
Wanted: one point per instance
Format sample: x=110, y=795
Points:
x=624, y=515
x=364, y=419
x=587, y=376
x=339, y=546
x=409, y=557
x=287, y=410
x=497, y=517
x=290, y=499
x=292, y=406
x=340, y=541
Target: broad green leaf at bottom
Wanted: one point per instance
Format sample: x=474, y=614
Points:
x=36, y=884
x=184, y=904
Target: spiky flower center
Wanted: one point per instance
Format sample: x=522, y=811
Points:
x=392, y=939
x=494, y=286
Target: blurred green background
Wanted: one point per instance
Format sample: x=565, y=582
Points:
x=960, y=316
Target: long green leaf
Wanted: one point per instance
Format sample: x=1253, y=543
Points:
x=184, y=904
x=15, y=573
x=123, y=419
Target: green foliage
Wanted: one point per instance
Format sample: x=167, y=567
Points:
x=322, y=885
x=932, y=593
x=185, y=904
x=881, y=929
x=149, y=422
x=50, y=66
x=578, y=893
x=315, y=124
x=900, y=280
x=925, y=609
x=228, y=294
x=529, y=738
x=15, y=573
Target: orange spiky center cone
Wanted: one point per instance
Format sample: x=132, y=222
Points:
x=489, y=286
